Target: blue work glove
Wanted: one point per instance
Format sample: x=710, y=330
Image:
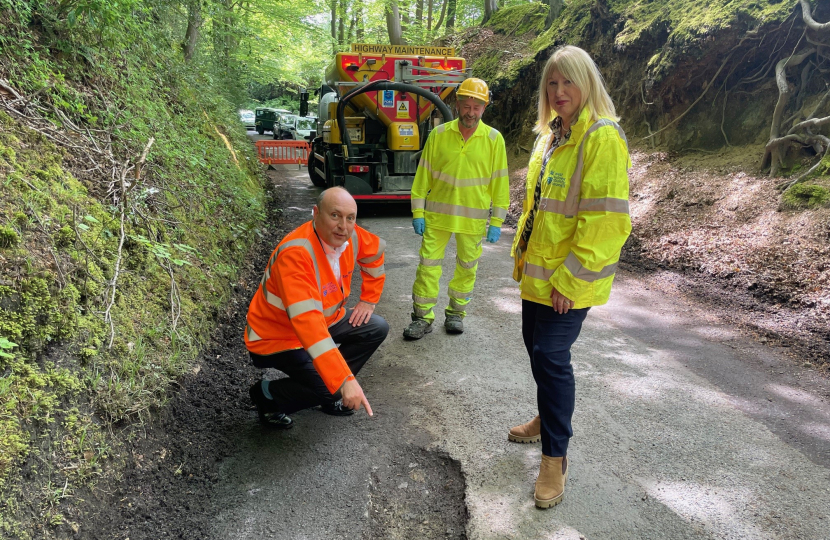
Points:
x=419, y=224
x=493, y=234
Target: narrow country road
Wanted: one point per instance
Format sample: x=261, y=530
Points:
x=683, y=430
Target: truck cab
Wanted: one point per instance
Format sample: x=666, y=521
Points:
x=386, y=97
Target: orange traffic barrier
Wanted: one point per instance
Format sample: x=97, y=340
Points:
x=283, y=152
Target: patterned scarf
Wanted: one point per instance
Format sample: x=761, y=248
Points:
x=558, y=140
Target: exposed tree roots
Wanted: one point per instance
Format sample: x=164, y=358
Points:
x=804, y=133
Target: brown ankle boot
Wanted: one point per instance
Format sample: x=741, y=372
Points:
x=550, y=484
x=526, y=433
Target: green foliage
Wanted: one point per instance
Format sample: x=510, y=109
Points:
x=8, y=237
x=519, y=20
x=501, y=68
x=804, y=196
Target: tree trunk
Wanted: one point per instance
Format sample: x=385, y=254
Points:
x=443, y=12
x=490, y=7
x=191, y=35
x=554, y=11
x=357, y=8
x=403, y=12
x=393, y=24
x=451, y=5
x=350, y=33
x=429, y=15
x=419, y=12
x=341, y=25
x=334, y=25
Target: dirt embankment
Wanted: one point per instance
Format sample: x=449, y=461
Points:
x=710, y=218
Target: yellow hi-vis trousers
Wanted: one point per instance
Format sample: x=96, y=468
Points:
x=425, y=288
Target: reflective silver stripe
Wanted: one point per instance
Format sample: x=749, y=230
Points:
x=605, y=204
x=456, y=210
x=252, y=336
x=455, y=305
x=354, y=245
x=332, y=310
x=572, y=200
x=494, y=133
x=374, y=272
x=421, y=312
x=453, y=181
x=303, y=306
x=498, y=174
x=272, y=298
x=441, y=128
x=321, y=347
x=468, y=265
x=500, y=213
x=431, y=262
x=423, y=299
x=417, y=204
x=304, y=243
x=273, y=258
x=538, y=272
x=271, y=262
x=291, y=243
x=552, y=206
x=580, y=272
x=458, y=294
x=619, y=129
x=373, y=258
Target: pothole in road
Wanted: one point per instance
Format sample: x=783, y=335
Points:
x=418, y=494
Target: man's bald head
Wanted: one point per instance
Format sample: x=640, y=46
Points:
x=336, y=193
x=335, y=215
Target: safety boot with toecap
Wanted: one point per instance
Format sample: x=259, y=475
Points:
x=417, y=329
x=530, y=432
x=454, y=324
x=336, y=409
x=550, y=484
x=269, y=415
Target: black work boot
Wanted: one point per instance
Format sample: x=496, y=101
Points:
x=417, y=329
x=336, y=409
x=269, y=415
x=454, y=324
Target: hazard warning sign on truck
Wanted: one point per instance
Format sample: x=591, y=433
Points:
x=403, y=109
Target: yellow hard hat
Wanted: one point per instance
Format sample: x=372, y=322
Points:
x=475, y=88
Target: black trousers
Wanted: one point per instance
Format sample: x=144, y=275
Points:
x=548, y=337
x=304, y=388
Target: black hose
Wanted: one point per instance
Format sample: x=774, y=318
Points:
x=383, y=85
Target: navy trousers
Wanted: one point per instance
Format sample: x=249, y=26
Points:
x=303, y=388
x=548, y=337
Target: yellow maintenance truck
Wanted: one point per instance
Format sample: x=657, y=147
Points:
x=387, y=98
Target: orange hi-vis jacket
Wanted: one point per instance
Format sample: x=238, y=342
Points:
x=299, y=298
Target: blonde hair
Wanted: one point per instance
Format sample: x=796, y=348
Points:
x=576, y=65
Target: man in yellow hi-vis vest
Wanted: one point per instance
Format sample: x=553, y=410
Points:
x=462, y=171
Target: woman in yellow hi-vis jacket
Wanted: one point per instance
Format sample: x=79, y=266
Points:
x=574, y=223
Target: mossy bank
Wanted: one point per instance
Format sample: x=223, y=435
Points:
x=129, y=195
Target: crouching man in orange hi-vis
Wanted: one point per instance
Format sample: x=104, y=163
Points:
x=298, y=322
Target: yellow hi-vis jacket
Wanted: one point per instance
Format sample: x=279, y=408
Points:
x=457, y=180
x=582, y=221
